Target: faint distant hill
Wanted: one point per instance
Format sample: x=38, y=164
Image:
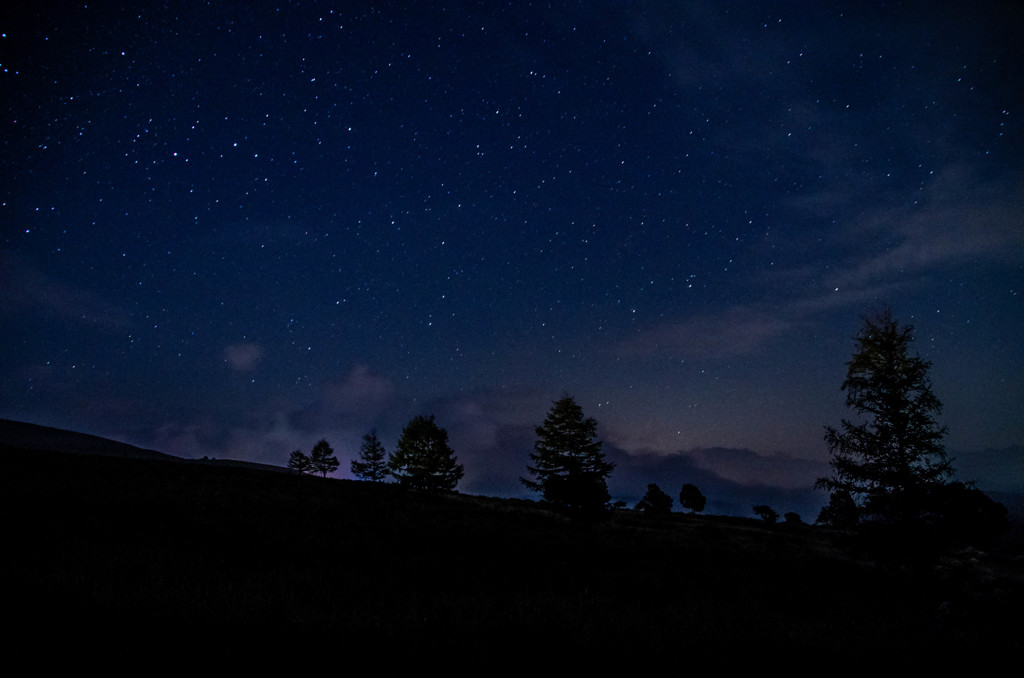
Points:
x=17, y=436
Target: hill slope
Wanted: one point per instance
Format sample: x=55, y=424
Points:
x=240, y=564
x=17, y=435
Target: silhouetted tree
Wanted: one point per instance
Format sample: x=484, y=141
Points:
x=322, y=459
x=655, y=501
x=793, y=518
x=569, y=468
x=767, y=513
x=300, y=463
x=888, y=462
x=691, y=498
x=372, y=463
x=841, y=511
x=422, y=458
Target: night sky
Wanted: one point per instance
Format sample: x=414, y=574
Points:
x=231, y=229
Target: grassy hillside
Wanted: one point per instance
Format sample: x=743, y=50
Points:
x=111, y=559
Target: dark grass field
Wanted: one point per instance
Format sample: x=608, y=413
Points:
x=122, y=562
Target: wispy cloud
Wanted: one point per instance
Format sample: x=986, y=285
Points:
x=361, y=392
x=24, y=286
x=733, y=331
x=959, y=219
x=243, y=357
x=350, y=406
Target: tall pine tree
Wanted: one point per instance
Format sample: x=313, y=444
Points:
x=422, y=458
x=372, y=463
x=893, y=458
x=655, y=501
x=569, y=469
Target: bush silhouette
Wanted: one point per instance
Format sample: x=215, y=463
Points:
x=691, y=498
x=655, y=501
x=767, y=513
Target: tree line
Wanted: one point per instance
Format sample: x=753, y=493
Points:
x=422, y=458
x=567, y=466
x=889, y=467
x=321, y=460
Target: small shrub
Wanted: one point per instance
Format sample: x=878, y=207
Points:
x=767, y=513
x=655, y=501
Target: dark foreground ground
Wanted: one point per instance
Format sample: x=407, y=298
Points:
x=133, y=564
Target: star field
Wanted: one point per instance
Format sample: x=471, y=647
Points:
x=231, y=231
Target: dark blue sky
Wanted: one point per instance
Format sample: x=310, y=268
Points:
x=230, y=229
